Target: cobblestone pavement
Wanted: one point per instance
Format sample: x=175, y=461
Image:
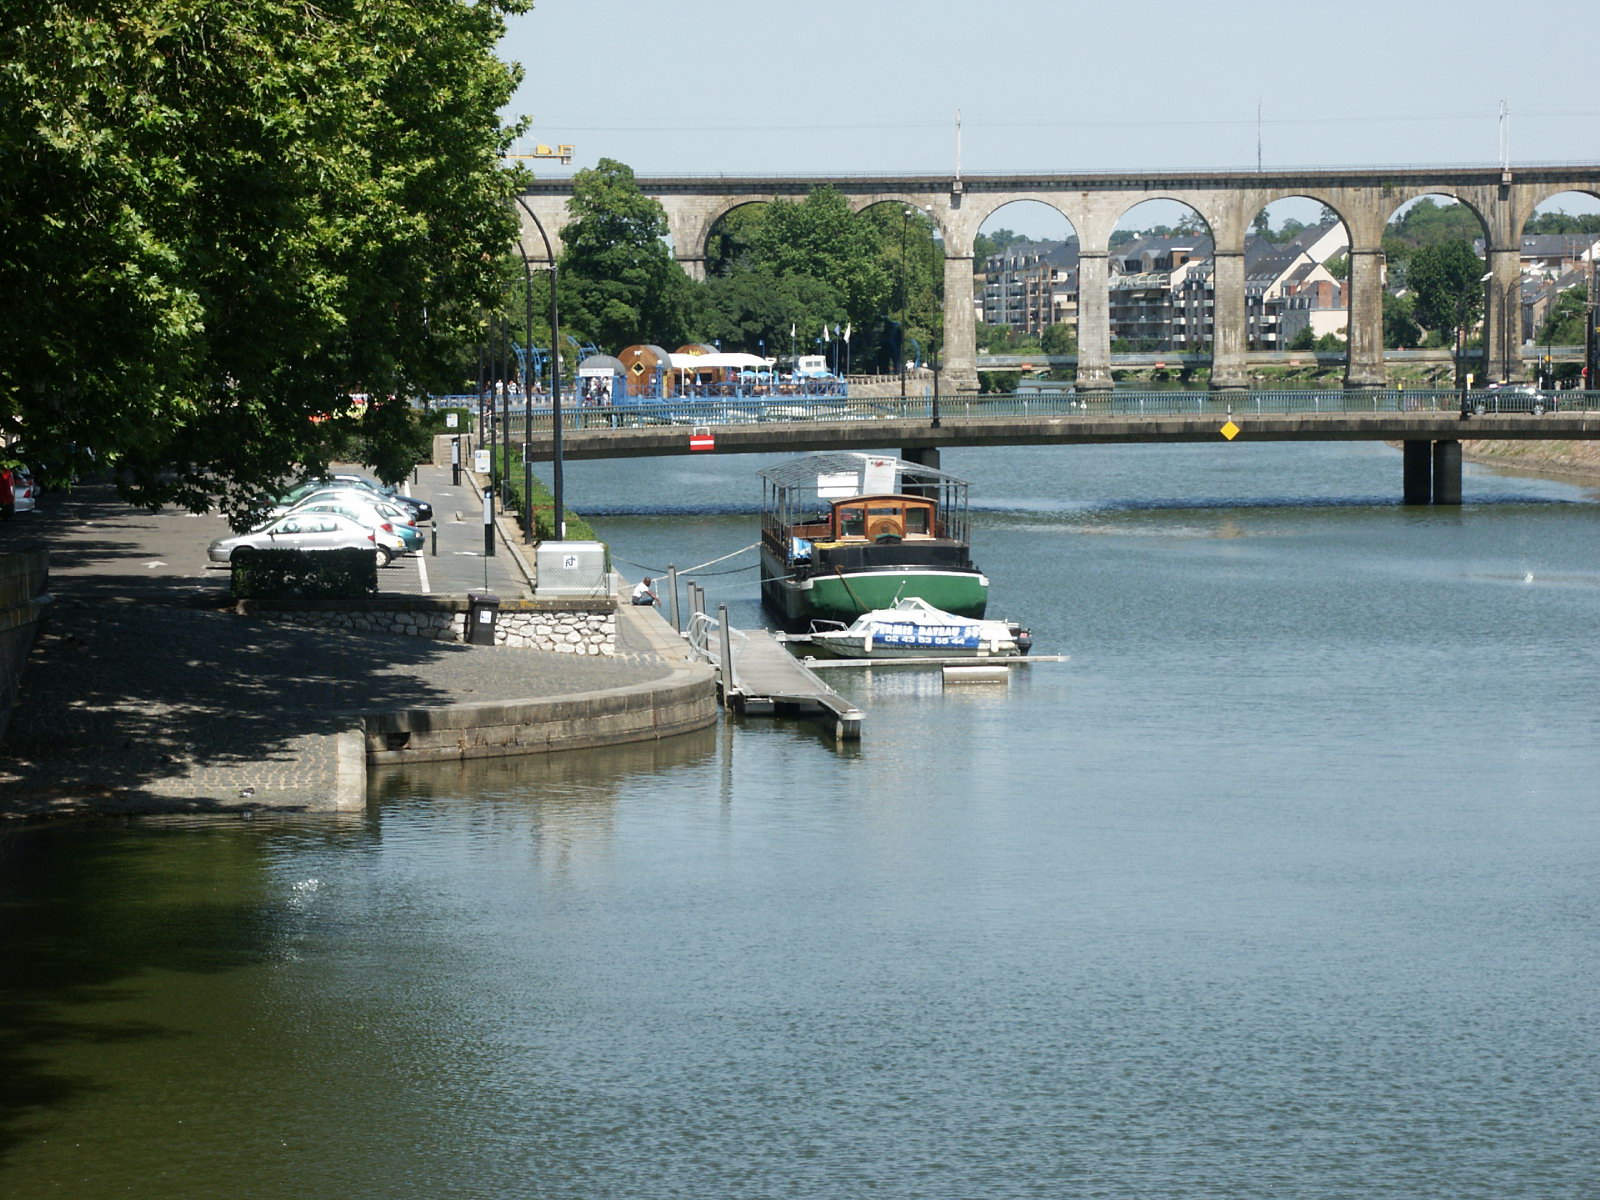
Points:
x=144, y=695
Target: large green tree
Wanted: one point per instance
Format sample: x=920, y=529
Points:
x=619, y=282
x=219, y=217
x=1446, y=281
x=1566, y=321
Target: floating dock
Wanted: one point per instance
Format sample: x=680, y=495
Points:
x=768, y=679
x=757, y=676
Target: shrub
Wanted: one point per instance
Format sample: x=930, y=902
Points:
x=304, y=574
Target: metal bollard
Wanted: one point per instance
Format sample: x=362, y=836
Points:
x=433, y=548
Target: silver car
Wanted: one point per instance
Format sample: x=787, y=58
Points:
x=300, y=531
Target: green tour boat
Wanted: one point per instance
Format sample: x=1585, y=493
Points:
x=843, y=534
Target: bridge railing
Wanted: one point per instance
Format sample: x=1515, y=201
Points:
x=692, y=414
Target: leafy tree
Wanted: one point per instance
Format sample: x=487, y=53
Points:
x=1446, y=280
x=1400, y=329
x=1560, y=222
x=1339, y=267
x=1303, y=339
x=747, y=309
x=729, y=248
x=226, y=217
x=821, y=238
x=1059, y=339
x=1566, y=320
x=619, y=281
x=1426, y=223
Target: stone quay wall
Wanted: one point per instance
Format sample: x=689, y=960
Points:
x=582, y=627
x=24, y=599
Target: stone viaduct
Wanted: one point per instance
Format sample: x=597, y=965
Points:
x=1366, y=199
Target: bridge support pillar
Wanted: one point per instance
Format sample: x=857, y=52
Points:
x=1094, y=322
x=1447, y=472
x=1364, y=364
x=923, y=456
x=960, y=327
x=1227, y=321
x=1418, y=472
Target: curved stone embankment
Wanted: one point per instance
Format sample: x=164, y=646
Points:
x=1578, y=459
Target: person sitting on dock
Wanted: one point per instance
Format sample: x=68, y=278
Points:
x=644, y=593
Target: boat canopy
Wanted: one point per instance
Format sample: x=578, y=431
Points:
x=719, y=361
x=805, y=472
x=803, y=490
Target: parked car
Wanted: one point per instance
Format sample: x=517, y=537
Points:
x=420, y=510
x=300, y=531
x=1514, y=397
x=400, y=536
x=18, y=491
x=342, y=493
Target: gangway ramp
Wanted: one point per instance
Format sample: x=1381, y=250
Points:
x=757, y=676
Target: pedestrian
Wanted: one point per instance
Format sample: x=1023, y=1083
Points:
x=644, y=593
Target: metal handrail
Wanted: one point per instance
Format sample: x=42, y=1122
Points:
x=763, y=410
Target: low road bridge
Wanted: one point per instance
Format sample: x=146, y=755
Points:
x=1503, y=198
x=1430, y=425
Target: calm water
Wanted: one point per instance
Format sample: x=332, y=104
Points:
x=1284, y=886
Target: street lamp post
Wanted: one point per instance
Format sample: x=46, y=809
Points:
x=558, y=521
x=900, y=342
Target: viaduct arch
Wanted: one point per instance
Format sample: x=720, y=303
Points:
x=1365, y=199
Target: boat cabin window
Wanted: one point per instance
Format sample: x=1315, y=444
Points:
x=884, y=519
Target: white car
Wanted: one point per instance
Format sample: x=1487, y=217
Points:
x=399, y=537
x=300, y=531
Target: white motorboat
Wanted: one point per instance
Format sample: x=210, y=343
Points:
x=913, y=628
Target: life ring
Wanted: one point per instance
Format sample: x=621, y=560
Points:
x=886, y=529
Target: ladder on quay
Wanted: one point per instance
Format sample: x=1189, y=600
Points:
x=758, y=677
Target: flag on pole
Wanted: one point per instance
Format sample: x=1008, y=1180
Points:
x=847, y=332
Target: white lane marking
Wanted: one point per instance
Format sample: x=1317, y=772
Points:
x=422, y=570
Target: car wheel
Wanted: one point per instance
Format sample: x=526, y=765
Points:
x=1538, y=408
x=384, y=557
x=240, y=553
x=1479, y=407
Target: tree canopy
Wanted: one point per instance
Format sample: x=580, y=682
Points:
x=619, y=282
x=220, y=217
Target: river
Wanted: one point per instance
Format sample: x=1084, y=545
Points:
x=1284, y=885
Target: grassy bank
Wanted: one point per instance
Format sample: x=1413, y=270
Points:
x=544, y=505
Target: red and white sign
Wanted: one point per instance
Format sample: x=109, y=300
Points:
x=701, y=439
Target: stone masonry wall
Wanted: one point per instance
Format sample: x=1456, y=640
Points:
x=563, y=627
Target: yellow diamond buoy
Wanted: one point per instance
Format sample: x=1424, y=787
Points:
x=1230, y=431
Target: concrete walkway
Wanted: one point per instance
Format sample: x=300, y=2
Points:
x=145, y=694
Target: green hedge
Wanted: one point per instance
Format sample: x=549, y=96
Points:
x=304, y=574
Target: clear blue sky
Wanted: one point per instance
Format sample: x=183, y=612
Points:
x=852, y=86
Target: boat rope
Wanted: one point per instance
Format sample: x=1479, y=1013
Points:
x=660, y=572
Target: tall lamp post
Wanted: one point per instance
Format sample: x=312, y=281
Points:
x=559, y=517
x=900, y=342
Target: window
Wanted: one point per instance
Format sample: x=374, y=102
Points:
x=852, y=522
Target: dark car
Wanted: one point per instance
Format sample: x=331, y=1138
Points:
x=1513, y=398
